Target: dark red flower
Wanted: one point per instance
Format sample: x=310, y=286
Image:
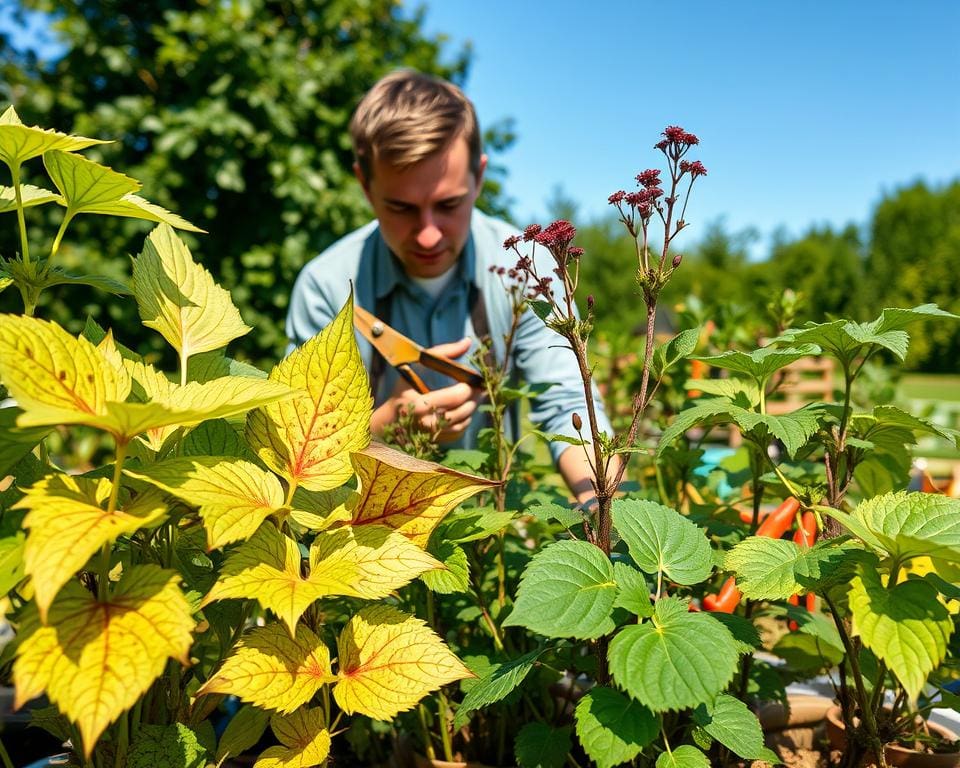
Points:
x=511, y=241
x=690, y=139
x=531, y=232
x=661, y=145
x=674, y=133
x=649, y=177
x=695, y=168
x=616, y=197
x=574, y=253
x=558, y=235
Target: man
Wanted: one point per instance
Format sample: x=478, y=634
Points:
x=423, y=267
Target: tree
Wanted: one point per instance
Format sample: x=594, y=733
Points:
x=232, y=114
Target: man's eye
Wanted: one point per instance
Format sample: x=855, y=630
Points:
x=399, y=208
x=450, y=205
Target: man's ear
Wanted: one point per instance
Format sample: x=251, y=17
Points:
x=480, y=170
x=364, y=182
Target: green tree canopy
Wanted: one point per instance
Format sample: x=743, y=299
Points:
x=232, y=114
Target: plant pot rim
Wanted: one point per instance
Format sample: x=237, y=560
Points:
x=897, y=755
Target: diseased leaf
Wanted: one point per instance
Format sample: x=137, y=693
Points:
x=273, y=670
x=539, y=746
x=693, y=654
x=906, y=626
x=95, y=659
x=567, y=590
x=389, y=661
x=661, y=540
x=308, y=440
x=180, y=300
x=407, y=494
x=305, y=740
x=234, y=496
x=612, y=728
x=68, y=525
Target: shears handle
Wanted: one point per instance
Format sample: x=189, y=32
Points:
x=415, y=381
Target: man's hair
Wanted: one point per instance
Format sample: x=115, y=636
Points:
x=409, y=116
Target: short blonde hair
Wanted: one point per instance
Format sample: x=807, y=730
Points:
x=408, y=116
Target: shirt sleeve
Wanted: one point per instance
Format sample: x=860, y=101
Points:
x=311, y=308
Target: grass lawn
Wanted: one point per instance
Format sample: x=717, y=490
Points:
x=930, y=386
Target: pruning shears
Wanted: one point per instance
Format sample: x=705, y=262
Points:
x=402, y=352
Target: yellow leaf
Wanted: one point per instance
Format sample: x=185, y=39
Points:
x=389, y=661
x=19, y=142
x=151, y=385
x=44, y=367
x=68, y=525
x=180, y=300
x=372, y=560
x=308, y=440
x=29, y=196
x=84, y=183
x=234, y=496
x=305, y=739
x=135, y=207
x=408, y=494
x=111, y=353
x=266, y=568
x=272, y=670
x=93, y=659
x=318, y=510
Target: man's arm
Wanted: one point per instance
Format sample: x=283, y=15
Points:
x=575, y=469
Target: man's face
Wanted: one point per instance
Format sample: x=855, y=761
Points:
x=424, y=210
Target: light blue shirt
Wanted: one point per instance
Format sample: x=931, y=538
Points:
x=362, y=258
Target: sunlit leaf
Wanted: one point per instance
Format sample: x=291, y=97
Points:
x=308, y=440
x=495, y=686
x=567, y=590
x=19, y=142
x=661, y=540
x=11, y=561
x=408, y=494
x=668, y=354
x=83, y=183
x=712, y=411
x=167, y=745
x=910, y=524
x=612, y=728
x=774, y=569
x=455, y=575
x=792, y=429
x=273, y=670
x=729, y=721
x=68, y=524
x=906, y=626
x=684, y=756
x=305, y=740
x=693, y=654
x=760, y=364
x=234, y=496
x=135, y=207
x=29, y=195
x=318, y=510
x=95, y=659
x=389, y=661
x=179, y=299
x=633, y=594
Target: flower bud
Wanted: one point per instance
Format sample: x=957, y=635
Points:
x=677, y=259
x=590, y=301
x=577, y=421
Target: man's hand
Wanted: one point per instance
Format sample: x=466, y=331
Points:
x=445, y=412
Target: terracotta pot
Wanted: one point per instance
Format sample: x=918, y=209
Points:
x=423, y=762
x=799, y=728
x=895, y=754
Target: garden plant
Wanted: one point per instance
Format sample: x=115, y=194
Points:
x=240, y=532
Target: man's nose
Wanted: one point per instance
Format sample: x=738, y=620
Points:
x=429, y=235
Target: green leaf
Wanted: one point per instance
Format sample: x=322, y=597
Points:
x=463, y=525
x=456, y=578
x=567, y=590
x=83, y=183
x=568, y=517
x=729, y=721
x=774, y=569
x=905, y=626
x=662, y=540
x=816, y=625
x=761, y=364
x=666, y=355
x=743, y=392
x=792, y=429
x=633, y=594
x=541, y=309
x=213, y=438
x=16, y=442
x=58, y=276
x=612, y=728
x=684, y=756
x=495, y=686
x=550, y=437
x=910, y=524
x=889, y=415
x=462, y=458
x=887, y=330
x=11, y=561
x=539, y=746
x=243, y=731
x=19, y=142
x=744, y=632
x=162, y=746
x=29, y=196
x=708, y=411
x=675, y=661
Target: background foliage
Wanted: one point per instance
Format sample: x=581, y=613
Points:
x=238, y=112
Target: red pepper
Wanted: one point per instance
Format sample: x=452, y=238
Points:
x=746, y=516
x=779, y=521
x=805, y=536
x=726, y=601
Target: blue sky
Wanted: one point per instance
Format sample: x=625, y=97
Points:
x=808, y=112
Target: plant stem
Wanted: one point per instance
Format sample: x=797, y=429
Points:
x=427, y=740
x=21, y=220
x=442, y=707
x=104, y=581
x=123, y=741
x=67, y=218
x=4, y=756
